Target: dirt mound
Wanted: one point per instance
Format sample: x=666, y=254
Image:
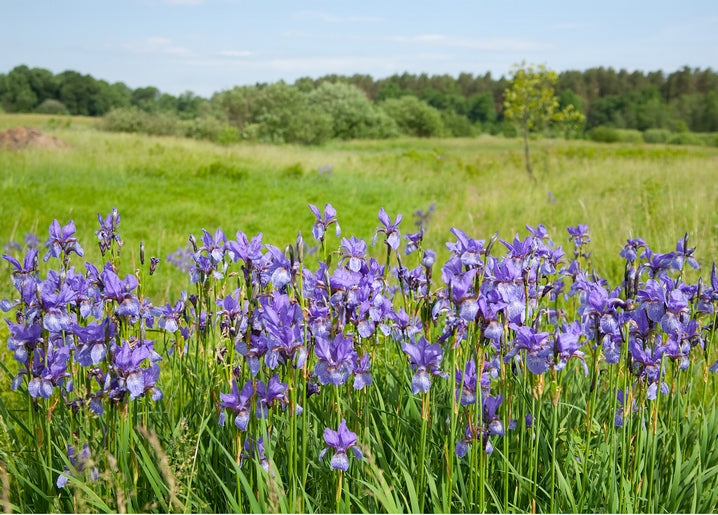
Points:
x=18, y=138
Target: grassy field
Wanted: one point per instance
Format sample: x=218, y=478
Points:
x=526, y=385
x=165, y=188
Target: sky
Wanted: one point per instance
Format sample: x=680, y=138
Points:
x=207, y=46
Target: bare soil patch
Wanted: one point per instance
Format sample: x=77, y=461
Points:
x=18, y=138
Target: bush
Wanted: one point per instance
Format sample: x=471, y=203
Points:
x=132, y=119
x=414, y=117
x=457, y=125
x=51, y=106
x=352, y=113
x=709, y=138
x=685, y=138
x=603, y=134
x=656, y=135
x=213, y=130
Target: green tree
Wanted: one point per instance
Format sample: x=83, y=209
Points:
x=352, y=113
x=531, y=104
x=414, y=117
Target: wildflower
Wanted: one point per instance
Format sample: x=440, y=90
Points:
x=336, y=360
x=341, y=441
x=362, y=374
x=108, y=231
x=322, y=223
x=491, y=425
x=269, y=394
x=425, y=359
x=538, y=349
x=254, y=448
x=62, y=241
x=353, y=251
x=390, y=230
x=79, y=463
x=237, y=401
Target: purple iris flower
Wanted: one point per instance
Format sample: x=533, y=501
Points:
x=413, y=242
x=108, y=231
x=255, y=448
x=323, y=222
x=121, y=291
x=491, y=425
x=253, y=352
x=537, y=345
x=390, y=230
x=170, y=316
x=23, y=340
x=425, y=359
x=50, y=372
x=62, y=241
x=214, y=246
x=353, y=251
x=285, y=339
x=55, y=297
x=126, y=361
x=79, y=463
x=468, y=250
x=631, y=248
x=93, y=338
x=25, y=271
x=239, y=402
x=248, y=251
x=232, y=316
x=652, y=299
x=341, y=441
x=275, y=268
x=567, y=345
x=579, y=235
x=273, y=392
x=362, y=372
x=647, y=364
x=336, y=360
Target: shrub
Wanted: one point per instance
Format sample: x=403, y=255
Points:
x=213, y=130
x=352, y=113
x=604, y=134
x=656, y=135
x=457, y=125
x=414, y=117
x=685, y=138
x=132, y=119
x=51, y=106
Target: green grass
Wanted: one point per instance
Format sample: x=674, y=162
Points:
x=165, y=188
x=171, y=455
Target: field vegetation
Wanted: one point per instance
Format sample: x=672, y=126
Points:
x=501, y=373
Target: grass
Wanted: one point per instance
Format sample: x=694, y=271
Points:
x=171, y=454
x=165, y=188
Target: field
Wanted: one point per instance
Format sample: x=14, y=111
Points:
x=550, y=378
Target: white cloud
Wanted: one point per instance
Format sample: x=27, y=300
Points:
x=235, y=53
x=330, y=18
x=184, y=2
x=490, y=44
x=158, y=45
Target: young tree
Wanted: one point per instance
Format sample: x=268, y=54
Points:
x=531, y=103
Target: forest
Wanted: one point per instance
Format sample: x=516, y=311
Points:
x=311, y=111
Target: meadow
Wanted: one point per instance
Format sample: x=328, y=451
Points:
x=496, y=373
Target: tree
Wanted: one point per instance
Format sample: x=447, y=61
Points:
x=414, y=117
x=531, y=104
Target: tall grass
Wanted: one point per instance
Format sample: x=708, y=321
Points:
x=493, y=411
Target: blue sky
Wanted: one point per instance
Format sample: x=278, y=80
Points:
x=206, y=46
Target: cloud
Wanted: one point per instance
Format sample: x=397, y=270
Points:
x=235, y=53
x=331, y=18
x=158, y=45
x=184, y=2
x=489, y=44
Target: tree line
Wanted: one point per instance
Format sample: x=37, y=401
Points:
x=359, y=106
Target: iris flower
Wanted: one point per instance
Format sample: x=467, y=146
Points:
x=341, y=441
